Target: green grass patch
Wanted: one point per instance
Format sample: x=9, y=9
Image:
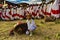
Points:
x=44, y=31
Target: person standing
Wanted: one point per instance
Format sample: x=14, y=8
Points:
x=14, y=13
x=11, y=13
x=0, y=12
x=7, y=15
x=21, y=13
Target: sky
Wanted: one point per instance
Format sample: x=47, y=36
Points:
x=17, y=1
x=28, y=0
x=39, y=0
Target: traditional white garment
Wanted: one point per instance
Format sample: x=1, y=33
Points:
x=31, y=24
x=15, y=12
x=0, y=12
x=12, y=11
x=41, y=11
x=30, y=11
x=34, y=9
x=37, y=11
x=7, y=14
x=18, y=13
x=55, y=9
x=3, y=14
x=22, y=12
x=12, y=18
x=37, y=15
x=18, y=10
x=48, y=10
x=44, y=8
x=27, y=9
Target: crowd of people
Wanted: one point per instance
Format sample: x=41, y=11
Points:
x=11, y=13
x=37, y=11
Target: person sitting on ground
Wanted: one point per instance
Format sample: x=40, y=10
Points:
x=31, y=24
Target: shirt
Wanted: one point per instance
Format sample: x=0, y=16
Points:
x=31, y=24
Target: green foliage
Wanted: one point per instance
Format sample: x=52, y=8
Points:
x=57, y=21
x=57, y=36
x=47, y=38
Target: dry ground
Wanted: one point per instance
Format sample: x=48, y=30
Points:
x=44, y=31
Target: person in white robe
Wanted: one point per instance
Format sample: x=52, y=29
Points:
x=3, y=14
x=12, y=12
x=55, y=9
x=21, y=13
x=7, y=15
x=0, y=12
x=37, y=12
x=18, y=12
x=30, y=10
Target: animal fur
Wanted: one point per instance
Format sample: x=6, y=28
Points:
x=20, y=28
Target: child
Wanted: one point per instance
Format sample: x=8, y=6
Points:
x=31, y=24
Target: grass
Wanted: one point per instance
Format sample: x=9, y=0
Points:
x=44, y=31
